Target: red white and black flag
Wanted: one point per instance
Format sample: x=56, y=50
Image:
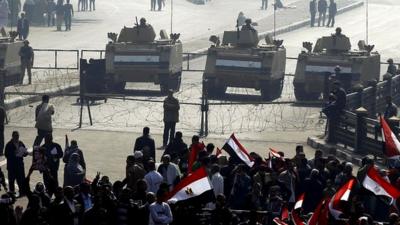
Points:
x=321, y=213
x=379, y=186
x=237, y=151
x=391, y=143
x=343, y=194
x=196, y=186
x=299, y=202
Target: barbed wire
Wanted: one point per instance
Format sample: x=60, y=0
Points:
x=119, y=114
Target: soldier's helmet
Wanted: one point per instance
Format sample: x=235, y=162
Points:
x=338, y=31
x=142, y=21
x=390, y=60
x=338, y=69
x=248, y=21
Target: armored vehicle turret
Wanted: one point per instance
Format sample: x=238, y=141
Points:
x=332, y=59
x=239, y=61
x=136, y=56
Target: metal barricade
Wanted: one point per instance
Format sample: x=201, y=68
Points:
x=56, y=59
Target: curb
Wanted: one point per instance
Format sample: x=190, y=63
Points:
x=15, y=103
x=285, y=29
x=320, y=144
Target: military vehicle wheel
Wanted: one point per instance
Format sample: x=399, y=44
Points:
x=212, y=89
x=271, y=90
x=302, y=95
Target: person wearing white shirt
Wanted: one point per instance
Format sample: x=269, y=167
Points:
x=153, y=178
x=160, y=212
x=217, y=180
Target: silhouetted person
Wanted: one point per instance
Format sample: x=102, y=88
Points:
x=23, y=27
x=322, y=7
x=332, y=13
x=43, y=114
x=391, y=67
x=313, y=12
x=27, y=57
x=92, y=5
x=68, y=13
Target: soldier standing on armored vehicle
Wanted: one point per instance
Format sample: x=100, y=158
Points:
x=248, y=25
x=322, y=7
x=391, y=67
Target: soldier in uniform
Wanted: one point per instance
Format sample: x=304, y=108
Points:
x=391, y=67
x=248, y=25
x=27, y=56
x=171, y=117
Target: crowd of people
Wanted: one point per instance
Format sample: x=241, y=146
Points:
x=243, y=193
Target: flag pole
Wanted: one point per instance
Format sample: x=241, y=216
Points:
x=366, y=21
x=274, y=20
x=172, y=13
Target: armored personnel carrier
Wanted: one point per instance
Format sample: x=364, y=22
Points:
x=315, y=67
x=135, y=56
x=10, y=62
x=239, y=61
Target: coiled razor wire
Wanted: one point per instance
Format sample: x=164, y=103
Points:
x=129, y=114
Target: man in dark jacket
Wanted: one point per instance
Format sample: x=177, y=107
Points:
x=74, y=149
x=145, y=142
x=53, y=154
x=15, y=152
x=177, y=148
x=23, y=27
x=322, y=7
x=27, y=58
x=332, y=13
x=313, y=11
x=171, y=117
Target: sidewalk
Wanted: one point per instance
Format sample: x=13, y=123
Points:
x=286, y=20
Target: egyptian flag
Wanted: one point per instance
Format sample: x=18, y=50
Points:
x=320, y=215
x=342, y=194
x=379, y=186
x=391, y=144
x=284, y=217
x=299, y=202
x=237, y=151
x=194, y=152
x=273, y=154
x=296, y=219
x=195, y=187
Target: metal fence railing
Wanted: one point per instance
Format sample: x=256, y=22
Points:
x=62, y=59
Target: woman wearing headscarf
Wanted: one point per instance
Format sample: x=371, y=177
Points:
x=74, y=174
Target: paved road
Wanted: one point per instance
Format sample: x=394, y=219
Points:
x=252, y=120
